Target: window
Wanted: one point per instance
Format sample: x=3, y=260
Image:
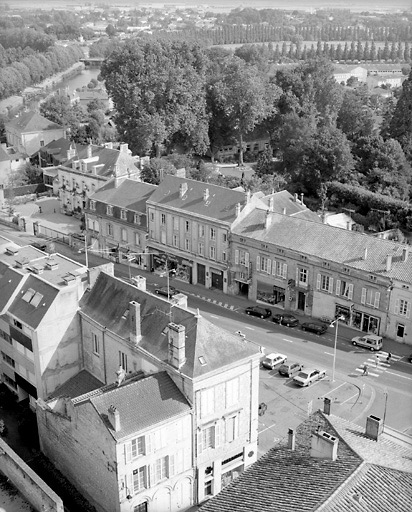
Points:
x=187, y=245
x=370, y=297
x=137, y=238
x=201, y=248
x=175, y=241
x=176, y=223
x=344, y=289
x=163, y=237
x=136, y=218
x=6, y=337
x=123, y=360
x=93, y=205
x=8, y=360
x=201, y=230
x=142, y=507
x=96, y=347
x=232, y=428
x=187, y=226
x=224, y=238
x=42, y=143
x=265, y=264
x=208, y=438
x=212, y=233
x=212, y=252
x=241, y=257
x=139, y=479
x=403, y=308
x=324, y=283
x=161, y=469
x=109, y=210
x=279, y=269
x=137, y=447
x=232, y=392
x=223, y=255
x=10, y=381
x=123, y=214
x=151, y=216
x=303, y=276
x=207, y=402
x=109, y=230
x=124, y=235
x=163, y=219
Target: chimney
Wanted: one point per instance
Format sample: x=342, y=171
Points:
x=284, y=211
x=248, y=196
x=206, y=195
x=177, y=335
x=124, y=147
x=295, y=198
x=405, y=254
x=109, y=145
x=89, y=151
x=291, y=439
x=237, y=209
x=388, y=262
x=348, y=226
x=114, y=417
x=374, y=427
x=182, y=190
x=301, y=199
x=134, y=321
x=326, y=406
x=268, y=219
x=324, y=446
x=365, y=253
x=271, y=204
x=139, y=282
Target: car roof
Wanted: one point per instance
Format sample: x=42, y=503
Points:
x=372, y=336
x=274, y=354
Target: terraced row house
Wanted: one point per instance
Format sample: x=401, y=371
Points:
x=271, y=249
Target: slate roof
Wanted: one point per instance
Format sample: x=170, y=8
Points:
x=141, y=403
x=328, y=243
x=81, y=383
x=207, y=346
x=289, y=481
x=220, y=205
x=284, y=202
x=32, y=122
x=10, y=153
x=130, y=194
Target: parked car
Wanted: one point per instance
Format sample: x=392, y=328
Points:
x=273, y=359
x=307, y=377
x=314, y=327
x=258, y=311
x=39, y=245
x=167, y=292
x=290, y=369
x=286, y=319
x=370, y=341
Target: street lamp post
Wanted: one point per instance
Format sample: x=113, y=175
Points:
x=336, y=323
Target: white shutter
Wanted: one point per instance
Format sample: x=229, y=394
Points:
x=217, y=435
x=269, y=266
x=350, y=293
x=284, y=271
x=273, y=267
x=236, y=433
x=152, y=475
x=236, y=256
x=258, y=263
x=397, y=307
x=297, y=276
x=229, y=432
x=377, y=298
x=127, y=452
x=363, y=297
x=318, y=282
x=337, y=286
x=171, y=466
x=408, y=309
x=199, y=442
x=148, y=444
x=330, y=285
x=246, y=259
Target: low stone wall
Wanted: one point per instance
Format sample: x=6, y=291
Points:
x=32, y=487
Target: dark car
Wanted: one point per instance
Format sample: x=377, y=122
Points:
x=289, y=369
x=167, y=292
x=288, y=320
x=39, y=245
x=258, y=311
x=313, y=327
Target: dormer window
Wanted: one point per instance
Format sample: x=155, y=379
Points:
x=109, y=210
x=136, y=218
x=123, y=215
x=93, y=205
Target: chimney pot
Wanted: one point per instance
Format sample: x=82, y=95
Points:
x=291, y=439
x=89, y=151
x=271, y=202
x=365, y=253
x=206, y=195
x=295, y=197
x=268, y=219
x=374, y=427
x=177, y=343
x=388, y=262
x=405, y=254
x=182, y=190
x=301, y=198
x=237, y=209
x=114, y=418
x=284, y=211
x=134, y=321
x=324, y=446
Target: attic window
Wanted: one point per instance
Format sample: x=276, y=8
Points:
x=125, y=314
x=281, y=251
x=28, y=295
x=372, y=278
x=32, y=297
x=202, y=361
x=165, y=331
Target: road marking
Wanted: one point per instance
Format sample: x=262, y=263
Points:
x=285, y=339
x=329, y=354
x=250, y=328
x=354, y=396
x=214, y=316
x=360, y=370
x=267, y=428
x=332, y=390
x=397, y=375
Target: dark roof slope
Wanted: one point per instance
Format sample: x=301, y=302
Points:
x=81, y=383
x=284, y=202
x=207, y=346
x=220, y=204
x=129, y=194
x=32, y=122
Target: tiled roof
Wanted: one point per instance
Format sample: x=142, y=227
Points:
x=220, y=205
x=328, y=243
x=32, y=122
x=79, y=384
x=207, y=346
x=288, y=481
x=141, y=403
x=10, y=153
x=129, y=194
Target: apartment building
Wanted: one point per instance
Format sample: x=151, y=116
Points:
x=39, y=299
x=87, y=169
x=322, y=271
x=116, y=221
x=189, y=224
x=127, y=332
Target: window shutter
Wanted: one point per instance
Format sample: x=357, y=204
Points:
x=408, y=309
x=148, y=444
x=236, y=426
x=269, y=266
x=199, y=441
x=217, y=435
x=127, y=452
x=229, y=432
x=363, y=297
x=377, y=298
x=258, y=263
x=274, y=267
x=337, y=286
x=284, y=271
x=318, y=282
x=236, y=256
x=129, y=483
x=397, y=307
x=171, y=466
x=297, y=276
x=152, y=475
x=330, y=285
x=246, y=259
x=350, y=293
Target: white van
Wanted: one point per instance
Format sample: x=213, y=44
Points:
x=370, y=341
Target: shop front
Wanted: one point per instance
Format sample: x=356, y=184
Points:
x=270, y=294
x=216, y=278
x=365, y=322
x=179, y=267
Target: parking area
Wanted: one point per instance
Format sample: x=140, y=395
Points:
x=287, y=404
